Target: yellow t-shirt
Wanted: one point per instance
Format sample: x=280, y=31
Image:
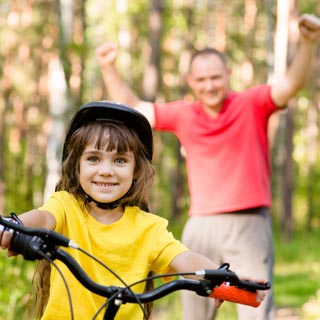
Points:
x=137, y=243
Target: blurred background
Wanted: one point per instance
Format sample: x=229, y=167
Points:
x=48, y=69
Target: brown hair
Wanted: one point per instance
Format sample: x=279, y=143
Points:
x=206, y=52
x=112, y=136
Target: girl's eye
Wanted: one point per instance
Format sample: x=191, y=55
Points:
x=93, y=159
x=121, y=160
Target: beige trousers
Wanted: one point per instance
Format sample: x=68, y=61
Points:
x=242, y=239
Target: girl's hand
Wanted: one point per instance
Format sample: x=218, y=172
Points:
x=5, y=240
x=218, y=303
x=261, y=295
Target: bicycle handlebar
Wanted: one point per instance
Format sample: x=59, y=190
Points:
x=223, y=284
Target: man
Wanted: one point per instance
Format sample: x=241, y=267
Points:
x=224, y=135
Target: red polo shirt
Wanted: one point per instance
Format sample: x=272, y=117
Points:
x=227, y=157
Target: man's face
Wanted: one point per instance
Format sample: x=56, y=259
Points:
x=209, y=79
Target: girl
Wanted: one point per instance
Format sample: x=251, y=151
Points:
x=101, y=202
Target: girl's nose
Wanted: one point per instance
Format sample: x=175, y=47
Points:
x=105, y=170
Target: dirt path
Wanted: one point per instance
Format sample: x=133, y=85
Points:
x=310, y=310
x=287, y=314
x=281, y=314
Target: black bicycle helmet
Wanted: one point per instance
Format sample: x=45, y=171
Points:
x=108, y=110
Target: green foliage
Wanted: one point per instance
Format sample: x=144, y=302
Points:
x=15, y=278
x=31, y=38
x=297, y=272
x=309, y=6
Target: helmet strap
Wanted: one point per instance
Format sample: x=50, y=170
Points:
x=102, y=205
x=109, y=205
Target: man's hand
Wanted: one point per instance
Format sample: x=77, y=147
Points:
x=107, y=54
x=309, y=26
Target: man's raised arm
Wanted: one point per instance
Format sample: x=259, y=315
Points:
x=297, y=74
x=117, y=89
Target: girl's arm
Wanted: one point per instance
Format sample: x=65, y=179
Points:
x=38, y=219
x=191, y=261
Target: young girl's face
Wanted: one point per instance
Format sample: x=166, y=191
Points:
x=106, y=176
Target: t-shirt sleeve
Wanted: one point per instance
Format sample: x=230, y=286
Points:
x=55, y=206
x=167, y=115
x=166, y=248
x=262, y=97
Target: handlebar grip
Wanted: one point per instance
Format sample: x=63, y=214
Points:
x=236, y=295
x=28, y=246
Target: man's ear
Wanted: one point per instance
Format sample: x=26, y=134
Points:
x=190, y=80
x=229, y=72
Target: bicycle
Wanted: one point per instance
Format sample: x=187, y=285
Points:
x=37, y=243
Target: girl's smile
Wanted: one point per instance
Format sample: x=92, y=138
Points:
x=106, y=176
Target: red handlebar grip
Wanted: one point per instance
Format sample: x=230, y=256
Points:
x=236, y=295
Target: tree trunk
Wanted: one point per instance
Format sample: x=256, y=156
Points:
x=285, y=14
x=151, y=74
x=288, y=181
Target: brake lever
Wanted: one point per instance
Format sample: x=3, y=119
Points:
x=7, y=223
x=224, y=275
x=253, y=285
x=245, y=284
x=220, y=275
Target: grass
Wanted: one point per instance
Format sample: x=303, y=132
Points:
x=297, y=274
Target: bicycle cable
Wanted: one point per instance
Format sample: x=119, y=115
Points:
x=114, y=296
x=64, y=282
x=104, y=305
x=165, y=275
x=126, y=286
